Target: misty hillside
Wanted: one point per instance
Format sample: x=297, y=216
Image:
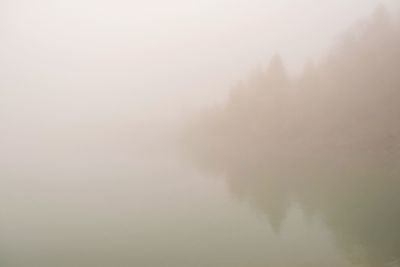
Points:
x=328, y=141
x=341, y=111
x=142, y=134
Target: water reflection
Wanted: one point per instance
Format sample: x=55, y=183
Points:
x=327, y=140
x=153, y=209
x=149, y=208
x=360, y=208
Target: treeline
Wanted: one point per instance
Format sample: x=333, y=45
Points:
x=328, y=140
x=344, y=110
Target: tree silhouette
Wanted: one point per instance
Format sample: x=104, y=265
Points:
x=330, y=139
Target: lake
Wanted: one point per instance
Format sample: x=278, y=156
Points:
x=79, y=198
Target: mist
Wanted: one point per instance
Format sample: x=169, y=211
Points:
x=199, y=133
x=153, y=60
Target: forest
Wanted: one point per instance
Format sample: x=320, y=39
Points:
x=342, y=110
x=328, y=139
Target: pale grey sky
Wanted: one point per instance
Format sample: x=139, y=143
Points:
x=103, y=59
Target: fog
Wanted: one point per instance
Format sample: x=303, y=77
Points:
x=199, y=133
x=128, y=59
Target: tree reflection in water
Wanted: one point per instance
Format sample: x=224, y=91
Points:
x=328, y=141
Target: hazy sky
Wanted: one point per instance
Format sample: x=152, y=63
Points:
x=103, y=59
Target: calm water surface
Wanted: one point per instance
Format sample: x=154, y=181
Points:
x=81, y=201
